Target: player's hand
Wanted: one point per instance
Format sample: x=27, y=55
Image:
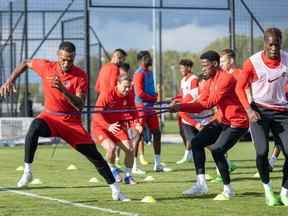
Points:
x=253, y=115
x=56, y=83
x=114, y=128
x=7, y=88
x=139, y=128
x=173, y=107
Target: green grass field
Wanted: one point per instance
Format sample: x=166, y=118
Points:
x=73, y=186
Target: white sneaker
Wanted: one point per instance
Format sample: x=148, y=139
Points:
x=118, y=196
x=229, y=193
x=161, y=168
x=25, y=180
x=138, y=171
x=196, y=190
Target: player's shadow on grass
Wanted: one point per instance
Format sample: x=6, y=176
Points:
x=250, y=194
x=181, y=197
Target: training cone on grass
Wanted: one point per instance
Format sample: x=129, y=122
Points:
x=36, y=181
x=94, y=180
x=20, y=168
x=72, y=167
x=148, y=199
x=149, y=178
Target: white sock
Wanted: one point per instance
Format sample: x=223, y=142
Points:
x=127, y=172
x=115, y=187
x=27, y=167
x=157, y=160
x=201, y=179
x=267, y=187
x=284, y=192
x=272, y=161
x=135, y=163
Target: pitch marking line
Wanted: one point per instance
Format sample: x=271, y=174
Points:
x=80, y=205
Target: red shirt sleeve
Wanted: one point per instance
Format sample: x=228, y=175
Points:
x=40, y=66
x=194, y=83
x=139, y=88
x=246, y=77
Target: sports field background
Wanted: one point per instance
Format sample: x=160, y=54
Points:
x=167, y=188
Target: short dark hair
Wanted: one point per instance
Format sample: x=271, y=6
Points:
x=67, y=46
x=272, y=31
x=211, y=56
x=142, y=54
x=121, y=51
x=125, y=66
x=186, y=62
x=123, y=77
x=229, y=52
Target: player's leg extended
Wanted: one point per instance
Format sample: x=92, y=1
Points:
x=38, y=128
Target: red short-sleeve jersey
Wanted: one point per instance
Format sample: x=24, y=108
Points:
x=75, y=81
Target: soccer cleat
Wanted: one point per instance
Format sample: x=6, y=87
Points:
x=25, y=180
x=284, y=199
x=138, y=171
x=196, y=190
x=270, y=199
x=143, y=161
x=118, y=196
x=161, y=168
x=129, y=180
x=217, y=179
x=116, y=174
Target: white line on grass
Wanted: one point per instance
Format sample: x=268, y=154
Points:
x=68, y=202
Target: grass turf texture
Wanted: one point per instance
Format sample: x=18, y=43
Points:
x=166, y=189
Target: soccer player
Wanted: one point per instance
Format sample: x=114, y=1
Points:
x=145, y=97
x=65, y=87
x=108, y=74
x=266, y=74
x=111, y=128
x=188, y=126
x=221, y=134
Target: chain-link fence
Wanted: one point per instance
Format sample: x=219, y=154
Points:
x=170, y=29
